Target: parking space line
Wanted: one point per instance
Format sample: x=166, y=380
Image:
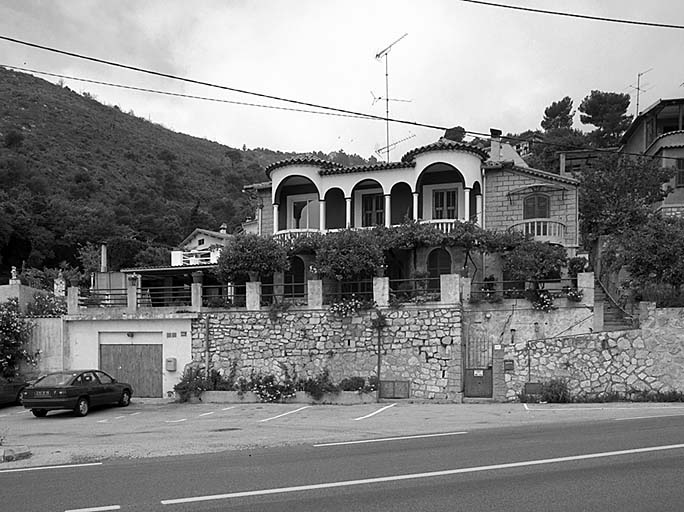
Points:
x=284, y=414
x=375, y=412
x=119, y=417
x=206, y=414
x=95, y=509
x=228, y=408
x=176, y=421
x=103, y=421
x=384, y=439
x=3, y=415
x=134, y=413
x=23, y=412
x=62, y=466
x=648, y=417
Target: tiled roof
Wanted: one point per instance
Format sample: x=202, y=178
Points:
x=318, y=162
x=507, y=165
x=380, y=166
x=444, y=145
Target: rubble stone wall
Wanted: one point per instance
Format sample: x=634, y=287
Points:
x=421, y=345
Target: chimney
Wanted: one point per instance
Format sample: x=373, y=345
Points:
x=495, y=151
x=224, y=228
x=103, y=258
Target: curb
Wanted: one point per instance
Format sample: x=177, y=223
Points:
x=12, y=453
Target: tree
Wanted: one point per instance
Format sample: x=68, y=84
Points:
x=534, y=262
x=250, y=255
x=616, y=192
x=15, y=333
x=546, y=155
x=558, y=115
x=349, y=255
x=608, y=112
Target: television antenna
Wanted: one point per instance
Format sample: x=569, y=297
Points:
x=380, y=98
x=639, y=89
x=386, y=149
x=385, y=53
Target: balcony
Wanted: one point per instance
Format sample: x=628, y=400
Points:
x=542, y=230
x=286, y=235
x=204, y=257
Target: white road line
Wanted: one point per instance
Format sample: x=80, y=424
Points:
x=526, y=408
x=207, y=413
x=228, y=408
x=119, y=417
x=24, y=412
x=374, y=413
x=414, y=476
x=95, y=509
x=134, y=413
x=103, y=421
x=649, y=417
x=3, y=415
x=557, y=409
x=176, y=421
x=400, y=438
x=39, y=468
x=285, y=414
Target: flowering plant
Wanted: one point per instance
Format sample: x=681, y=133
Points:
x=541, y=300
x=15, y=333
x=348, y=306
x=575, y=295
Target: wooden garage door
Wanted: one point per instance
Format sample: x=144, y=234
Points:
x=139, y=365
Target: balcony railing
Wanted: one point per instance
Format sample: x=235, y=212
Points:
x=164, y=296
x=543, y=230
x=286, y=235
x=113, y=298
x=206, y=257
x=444, y=225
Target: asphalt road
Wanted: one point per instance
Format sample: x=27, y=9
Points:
x=607, y=465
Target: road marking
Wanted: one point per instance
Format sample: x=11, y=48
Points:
x=119, y=417
x=374, y=413
x=285, y=414
x=207, y=413
x=102, y=421
x=648, y=417
x=556, y=409
x=176, y=421
x=134, y=413
x=526, y=408
x=3, y=415
x=95, y=509
x=39, y=468
x=414, y=476
x=400, y=438
x=24, y=412
x=228, y=408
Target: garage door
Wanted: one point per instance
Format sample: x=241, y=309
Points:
x=139, y=365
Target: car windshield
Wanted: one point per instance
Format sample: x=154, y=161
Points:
x=55, y=379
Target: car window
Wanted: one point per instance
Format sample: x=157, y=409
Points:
x=55, y=379
x=104, y=378
x=89, y=378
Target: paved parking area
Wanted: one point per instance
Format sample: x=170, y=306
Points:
x=158, y=427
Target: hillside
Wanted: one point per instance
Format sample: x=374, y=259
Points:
x=74, y=171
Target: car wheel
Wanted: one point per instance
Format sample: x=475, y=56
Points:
x=82, y=407
x=39, y=413
x=125, y=398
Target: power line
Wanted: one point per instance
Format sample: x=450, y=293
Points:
x=181, y=95
x=575, y=15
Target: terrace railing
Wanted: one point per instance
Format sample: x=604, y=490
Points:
x=224, y=296
x=347, y=290
x=164, y=296
x=113, y=298
x=425, y=289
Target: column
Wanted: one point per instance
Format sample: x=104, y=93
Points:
x=381, y=291
x=314, y=291
x=260, y=220
x=132, y=293
x=321, y=215
x=466, y=204
x=478, y=205
x=196, y=290
x=415, y=206
x=347, y=211
x=388, y=210
x=275, y=219
x=253, y=295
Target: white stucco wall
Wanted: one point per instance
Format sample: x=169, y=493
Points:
x=83, y=339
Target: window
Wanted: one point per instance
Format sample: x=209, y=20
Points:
x=444, y=204
x=104, y=378
x=679, y=180
x=200, y=242
x=372, y=210
x=536, y=207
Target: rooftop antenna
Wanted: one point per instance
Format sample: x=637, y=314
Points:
x=386, y=149
x=639, y=89
x=380, y=98
x=378, y=56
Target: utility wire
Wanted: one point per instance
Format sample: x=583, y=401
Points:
x=181, y=95
x=575, y=15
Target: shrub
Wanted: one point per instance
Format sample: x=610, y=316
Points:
x=349, y=306
x=270, y=389
x=352, y=384
x=318, y=386
x=555, y=391
x=250, y=254
x=46, y=305
x=15, y=333
x=575, y=295
x=540, y=299
x=191, y=384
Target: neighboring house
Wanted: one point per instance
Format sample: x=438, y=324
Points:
x=659, y=131
x=440, y=184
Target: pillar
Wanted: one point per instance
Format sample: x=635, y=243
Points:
x=381, y=290
x=388, y=210
x=196, y=290
x=585, y=282
x=321, y=214
x=449, y=288
x=132, y=293
x=72, y=300
x=466, y=204
x=275, y=219
x=478, y=205
x=415, y=205
x=314, y=291
x=347, y=211
x=253, y=295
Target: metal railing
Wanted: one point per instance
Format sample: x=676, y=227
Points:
x=290, y=293
x=420, y=289
x=162, y=296
x=347, y=290
x=112, y=298
x=495, y=291
x=224, y=296
x=444, y=225
x=203, y=257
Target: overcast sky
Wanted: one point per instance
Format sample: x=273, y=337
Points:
x=460, y=64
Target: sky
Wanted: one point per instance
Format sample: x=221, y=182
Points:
x=460, y=64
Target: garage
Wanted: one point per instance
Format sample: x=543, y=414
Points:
x=136, y=358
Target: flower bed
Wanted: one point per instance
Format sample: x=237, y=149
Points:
x=341, y=398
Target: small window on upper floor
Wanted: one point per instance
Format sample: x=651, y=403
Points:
x=679, y=179
x=536, y=207
x=200, y=242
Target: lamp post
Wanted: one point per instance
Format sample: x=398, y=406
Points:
x=379, y=322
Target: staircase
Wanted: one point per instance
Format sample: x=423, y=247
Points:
x=614, y=318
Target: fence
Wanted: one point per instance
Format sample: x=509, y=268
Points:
x=162, y=296
x=114, y=298
x=346, y=290
x=493, y=291
x=291, y=293
x=425, y=289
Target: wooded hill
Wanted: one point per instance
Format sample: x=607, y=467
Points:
x=74, y=172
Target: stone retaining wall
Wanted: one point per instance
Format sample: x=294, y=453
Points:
x=650, y=358
x=420, y=345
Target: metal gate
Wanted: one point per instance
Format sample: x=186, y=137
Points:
x=139, y=365
x=478, y=364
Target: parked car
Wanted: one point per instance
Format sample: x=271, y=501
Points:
x=10, y=390
x=78, y=390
